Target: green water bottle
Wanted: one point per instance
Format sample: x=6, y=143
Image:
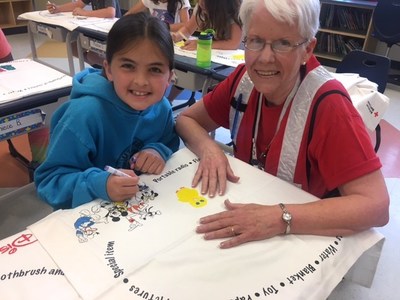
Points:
x=204, y=43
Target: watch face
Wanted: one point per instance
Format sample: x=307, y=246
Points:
x=287, y=216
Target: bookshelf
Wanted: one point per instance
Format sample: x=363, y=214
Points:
x=10, y=10
x=345, y=25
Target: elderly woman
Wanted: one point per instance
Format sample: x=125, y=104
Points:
x=289, y=117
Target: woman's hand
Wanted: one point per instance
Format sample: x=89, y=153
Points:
x=213, y=172
x=120, y=188
x=148, y=161
x=242, y=223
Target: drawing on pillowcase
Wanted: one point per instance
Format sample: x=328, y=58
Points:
x=133, y=211
x=191, y=196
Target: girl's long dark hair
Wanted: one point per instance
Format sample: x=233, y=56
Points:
x=218, y=15
x=131, y=29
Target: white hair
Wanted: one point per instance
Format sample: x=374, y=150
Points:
x=304, y=14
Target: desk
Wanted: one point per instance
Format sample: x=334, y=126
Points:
x=25, y=86
x=54, y=32
x=150, y=250
x=60, y=27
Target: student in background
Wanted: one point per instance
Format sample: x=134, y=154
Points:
x=100, y=8
x=175, y=13
x=222, y=16
x=113, y=115
x=5, y=48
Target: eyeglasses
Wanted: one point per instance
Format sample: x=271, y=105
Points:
x=278, y=46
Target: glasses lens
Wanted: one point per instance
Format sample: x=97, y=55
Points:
x=254, y=44
x=281, y=46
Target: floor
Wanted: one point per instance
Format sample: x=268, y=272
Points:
x=385, y=286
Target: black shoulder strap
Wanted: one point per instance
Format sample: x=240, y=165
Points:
x=242, y=107
x=335, y=192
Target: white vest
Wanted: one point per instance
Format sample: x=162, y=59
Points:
x=297, y=118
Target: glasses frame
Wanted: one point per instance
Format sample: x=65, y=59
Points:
x=291, y=47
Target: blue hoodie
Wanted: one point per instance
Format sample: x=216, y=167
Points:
x=93, y=129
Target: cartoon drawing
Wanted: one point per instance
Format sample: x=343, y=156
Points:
x=84, y=228
x=191, y=196
x=133, y=211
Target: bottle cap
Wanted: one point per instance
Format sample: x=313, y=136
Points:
x=206, y=34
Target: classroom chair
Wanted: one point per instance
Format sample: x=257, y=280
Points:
x=369, y=65
x=387, y=27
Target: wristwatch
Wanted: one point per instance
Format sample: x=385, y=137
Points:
x=286, y=217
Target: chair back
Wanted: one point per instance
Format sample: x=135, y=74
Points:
x=386, y=21
x=372, y=66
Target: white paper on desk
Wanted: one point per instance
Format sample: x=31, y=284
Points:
x=64, y=19
x=24, y=77
x=163, y=257
x=231, y=58
x=28, y=272
x=364, y=94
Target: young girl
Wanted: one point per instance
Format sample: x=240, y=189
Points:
x=222, y=16
x=175, y=13
x=113, y=115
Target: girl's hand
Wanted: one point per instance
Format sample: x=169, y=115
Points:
x=78, y=12
x=120, y=188
x=148, y=161
x=190, y=45
x=51, y=7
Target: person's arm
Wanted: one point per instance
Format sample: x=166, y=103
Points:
x=185, y=31
x=68, y=177
x=5, y=48
x=364, y=204
x=138, y=7
x=193, y=126
x=184, y=18
x=108, y=12
x=66, y=7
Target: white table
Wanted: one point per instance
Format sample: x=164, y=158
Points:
x=153, y=251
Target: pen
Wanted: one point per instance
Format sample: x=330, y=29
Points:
x=182, y=36
x=114, y=171
x=53, y=6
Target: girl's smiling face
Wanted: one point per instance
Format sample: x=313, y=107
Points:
x=140, y=74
